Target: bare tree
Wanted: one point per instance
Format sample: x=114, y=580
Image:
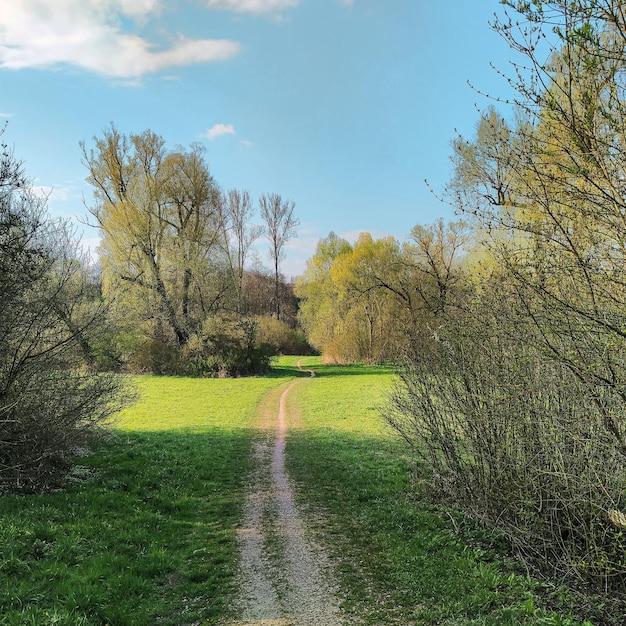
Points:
x=239, y=234
x=280, y=226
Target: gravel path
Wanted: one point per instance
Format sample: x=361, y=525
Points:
x=285, y=577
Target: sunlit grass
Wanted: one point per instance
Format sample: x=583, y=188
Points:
x=400, y=561
x=145, y=533
x=195, y=404
x=344, y=398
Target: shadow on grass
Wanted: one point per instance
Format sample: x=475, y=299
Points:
x=143, y=534
x=286, y=371
x=408, y=563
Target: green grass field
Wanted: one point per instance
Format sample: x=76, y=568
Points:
x=400, y=560
x=145, y=533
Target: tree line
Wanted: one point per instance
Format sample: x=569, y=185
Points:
x=173, y=292
x=367, y=302
x=512, y=321
x=174, y=258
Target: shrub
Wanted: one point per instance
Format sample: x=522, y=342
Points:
x=515, y=439
x=281, y=337
x=227, y=347
x=49, y=404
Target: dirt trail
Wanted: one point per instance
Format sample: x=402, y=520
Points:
x=285, y=577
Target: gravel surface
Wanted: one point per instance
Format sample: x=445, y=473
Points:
x=284, y=576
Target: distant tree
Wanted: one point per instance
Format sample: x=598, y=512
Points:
x=49, y=403
x=239, y=234
x=280, y=226
x=434, y=257
x=373, y=325
x=259, y=295
x=374, y=300
x=484, y=167
x=319, y=312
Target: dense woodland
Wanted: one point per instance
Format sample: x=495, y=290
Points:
x=507, y=324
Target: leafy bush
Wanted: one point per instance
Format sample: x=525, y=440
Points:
x=227, y=347
x=49, y=403
x=281, y=337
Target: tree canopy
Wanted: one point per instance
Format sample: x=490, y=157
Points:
x=173, y=257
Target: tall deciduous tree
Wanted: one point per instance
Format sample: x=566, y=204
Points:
x=239, y=235
x=435, y=258
x=374, y=325
x=159, y=214
x=280, y=226
x=319, y=312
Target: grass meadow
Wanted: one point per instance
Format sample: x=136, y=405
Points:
x=400, y=561
x=144, y=533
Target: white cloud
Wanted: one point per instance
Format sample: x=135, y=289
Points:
x=218, y=130
x=292, y=268
x=138, y=7
x=252, y=6
x=6, y=114
x=53, y=194
x=88, y=34
x=304, y=245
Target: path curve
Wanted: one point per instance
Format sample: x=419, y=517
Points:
x=285, y=577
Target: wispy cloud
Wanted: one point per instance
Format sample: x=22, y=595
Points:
x=305, y=245
x=218, y=130
x=6, y=114
x=90, y=34
x=252, y=6
x=60, y=193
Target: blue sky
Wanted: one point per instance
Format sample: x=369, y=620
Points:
x=343, y=106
